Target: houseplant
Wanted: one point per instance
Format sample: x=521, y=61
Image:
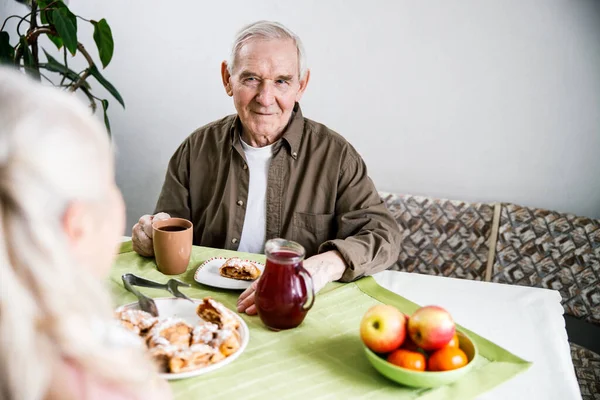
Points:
x=54, y=19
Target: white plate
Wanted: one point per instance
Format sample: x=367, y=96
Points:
x=181, y=308
x=208, y=274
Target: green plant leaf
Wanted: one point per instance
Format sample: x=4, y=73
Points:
x=56, y=40
x=7, y=53
x=65, y=28
x=104, y=41
x=65, y=11
x=54, y=66
x=107, y=85
x=106, y=121
x=28, y=62
x=45, y=16
x=27, y=56
x=46, y=12
x=44, y=3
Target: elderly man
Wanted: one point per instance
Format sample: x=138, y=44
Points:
x=269, y=172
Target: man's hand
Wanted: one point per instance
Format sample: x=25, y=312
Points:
x=245, y=302
x=323, y=268
x=141, y=234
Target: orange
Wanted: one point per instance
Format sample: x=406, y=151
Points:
x=446, y=359
x=453, y=342
x=407, y=359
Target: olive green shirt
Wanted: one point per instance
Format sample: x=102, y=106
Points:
x=318, y=194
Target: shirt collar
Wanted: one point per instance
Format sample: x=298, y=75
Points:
x=292, y=134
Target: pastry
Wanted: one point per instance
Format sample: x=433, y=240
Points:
x=170, y=332
x=204, y=333
x=197, y=356
x=176, y=346
x=215, y=312
x=162, y=355
x=227, y=341
x=137, y=321
x=236, y=268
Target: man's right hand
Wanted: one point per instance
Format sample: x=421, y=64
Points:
x=141, y=234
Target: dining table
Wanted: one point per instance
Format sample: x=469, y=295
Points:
x=520, y=333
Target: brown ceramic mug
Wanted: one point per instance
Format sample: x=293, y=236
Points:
x=172, y=245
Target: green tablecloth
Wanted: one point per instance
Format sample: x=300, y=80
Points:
x=323, y=358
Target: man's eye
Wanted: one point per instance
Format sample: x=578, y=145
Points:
x=281, y=81
x=250, y=79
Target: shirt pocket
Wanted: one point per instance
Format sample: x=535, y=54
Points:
x=311, y=230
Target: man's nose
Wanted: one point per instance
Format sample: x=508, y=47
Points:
x=265, y=95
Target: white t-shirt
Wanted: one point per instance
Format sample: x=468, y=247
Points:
x=254, y=230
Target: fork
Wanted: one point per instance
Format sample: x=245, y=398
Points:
x=172, y=285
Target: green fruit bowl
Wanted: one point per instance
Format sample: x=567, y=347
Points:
x=425, y=379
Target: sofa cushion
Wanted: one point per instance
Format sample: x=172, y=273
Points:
x=542, y=248
x=587, y=370
x=441, y=237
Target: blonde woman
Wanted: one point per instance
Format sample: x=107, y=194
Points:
x=61, y=217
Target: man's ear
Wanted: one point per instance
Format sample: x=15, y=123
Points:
x=303, y=84
x=76, y=222
x=226, y=79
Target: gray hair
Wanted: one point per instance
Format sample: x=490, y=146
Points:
x=52, y=152
x=267, y=30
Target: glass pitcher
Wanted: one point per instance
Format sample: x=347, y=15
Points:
x=284, y=293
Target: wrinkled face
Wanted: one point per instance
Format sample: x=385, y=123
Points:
x=265, y=85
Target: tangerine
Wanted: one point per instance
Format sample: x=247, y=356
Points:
x=453, y=342
x=446, y=359
x=408, y=359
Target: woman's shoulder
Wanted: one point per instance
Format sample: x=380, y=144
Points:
x=76, y=383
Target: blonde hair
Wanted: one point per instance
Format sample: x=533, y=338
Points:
x=267, y=30
x=52, y=309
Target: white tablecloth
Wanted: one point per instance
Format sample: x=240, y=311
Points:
x=525, y=321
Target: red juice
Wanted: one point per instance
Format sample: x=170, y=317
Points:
x=281, y=294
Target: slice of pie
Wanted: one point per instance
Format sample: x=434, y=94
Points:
x=236, y=268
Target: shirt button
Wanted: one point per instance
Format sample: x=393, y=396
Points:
x=240, y=203
x=245, y=166
x=234, y=240
x=295, y=155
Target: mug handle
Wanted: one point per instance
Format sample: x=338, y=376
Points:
x=310, y=298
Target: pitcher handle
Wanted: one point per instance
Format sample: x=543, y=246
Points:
x=310, y=293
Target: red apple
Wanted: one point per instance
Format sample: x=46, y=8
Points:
x=431, y=327
x=383, y=328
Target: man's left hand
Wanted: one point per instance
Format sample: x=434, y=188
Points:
x=323, y=268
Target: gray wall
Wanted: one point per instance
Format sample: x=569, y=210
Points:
x=473, y=100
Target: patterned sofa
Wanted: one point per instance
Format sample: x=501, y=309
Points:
x=511, y=244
